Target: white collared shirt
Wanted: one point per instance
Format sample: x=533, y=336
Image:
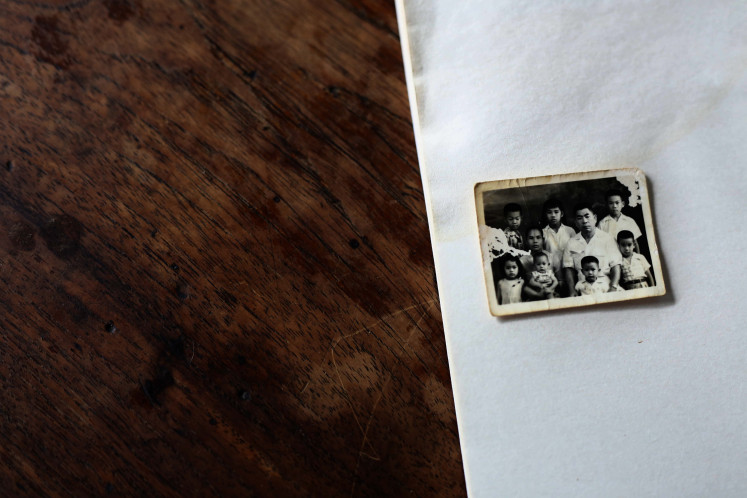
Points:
x=599, y=286
x=601, y=245
x=555, y=243
x=613, y=227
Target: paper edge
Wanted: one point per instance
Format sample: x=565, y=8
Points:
x=412, y=97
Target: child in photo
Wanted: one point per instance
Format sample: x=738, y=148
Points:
x=534, y=243
x=512, y=283
x=635, y=269
x=591, y=241
x=512, y=214
x=616, y=221
x=556, y=235
x=591, y=284
x=542, y=281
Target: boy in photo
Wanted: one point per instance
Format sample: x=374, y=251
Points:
x=591, y=283
x=591, y=241
x=616, y=221
x=556, y=234
x=635, y=272
x=512, y=214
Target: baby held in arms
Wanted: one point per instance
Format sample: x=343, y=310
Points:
x=542, y=281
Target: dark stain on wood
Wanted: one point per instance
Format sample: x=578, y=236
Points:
x=48, y=36
x=62, y=235
x=182, y=291
x=119, y=10
x=162, y=380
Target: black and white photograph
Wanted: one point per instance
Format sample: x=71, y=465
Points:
x=567, y=240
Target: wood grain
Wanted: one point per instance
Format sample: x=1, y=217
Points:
x=216, y=272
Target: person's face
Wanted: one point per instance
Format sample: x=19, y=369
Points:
x=534, y=240
x=590, y=271
x=626, y=247
x=513, y=219
x=585, y=220
x=554, y=215
x=542, y=264
x=615, y=205
x=511, y=269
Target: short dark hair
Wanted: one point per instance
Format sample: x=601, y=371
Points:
x=580, y=206
x=510, y=208
x=612, y=192
x=534, y=227
x=589, y=259
x=541, y=254
x=625, y=234
x=552, y=202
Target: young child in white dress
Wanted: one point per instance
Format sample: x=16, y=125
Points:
x=512, y=283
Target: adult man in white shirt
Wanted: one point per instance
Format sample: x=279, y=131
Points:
x=590, y=241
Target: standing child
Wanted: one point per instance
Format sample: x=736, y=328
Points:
x=635, y=270
x=511, y=285
x=512, y=214
x=591, y=283
x=542, y=281
x=556, y=234
x=616, y=221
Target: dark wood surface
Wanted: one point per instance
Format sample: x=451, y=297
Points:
x=216, y=271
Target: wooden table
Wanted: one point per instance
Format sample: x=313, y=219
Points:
x=216, y=271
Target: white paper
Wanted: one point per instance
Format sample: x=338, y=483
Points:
x=645, y=398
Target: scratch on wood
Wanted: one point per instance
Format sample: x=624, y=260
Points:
x=361, y=453
x=341, y=337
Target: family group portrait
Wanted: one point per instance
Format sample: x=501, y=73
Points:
x=587, y=236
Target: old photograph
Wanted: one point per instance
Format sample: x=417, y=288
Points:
x=567, y=240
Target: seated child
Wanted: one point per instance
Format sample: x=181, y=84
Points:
x=591, y=284
x=635, y=272
x=511, y=285
x=615, y=222
x=542, y=281
x=512, y=214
